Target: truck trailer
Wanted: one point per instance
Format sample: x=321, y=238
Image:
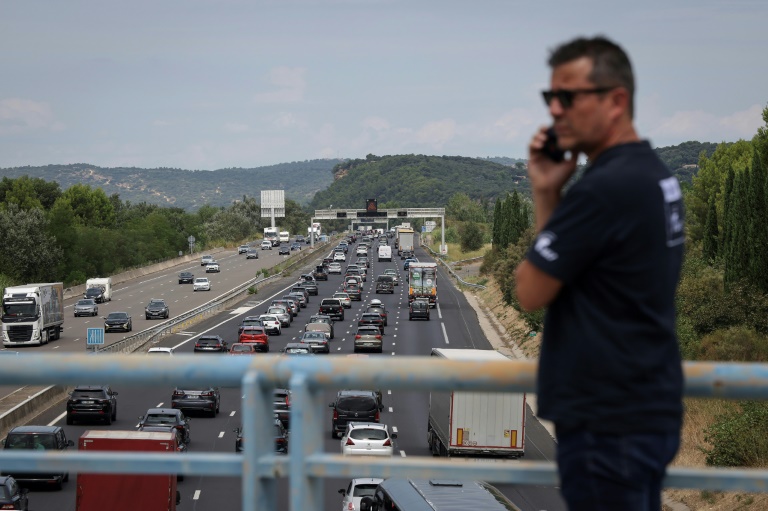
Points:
x=404, y=241
x=422, y=282
x=475, y=423
x=32, y=314
x=127, y=492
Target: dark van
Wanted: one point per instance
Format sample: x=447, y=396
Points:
x=44, y=438
x=354, y=406
x=385, y=284
x=418, y=309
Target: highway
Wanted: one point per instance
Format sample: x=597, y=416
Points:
x=453, y=324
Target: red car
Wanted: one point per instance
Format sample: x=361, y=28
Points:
x=255, y=335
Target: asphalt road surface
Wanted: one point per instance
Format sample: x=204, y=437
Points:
x=453, y=325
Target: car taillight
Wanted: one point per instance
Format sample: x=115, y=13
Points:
x=378, y=337
x=197, y=345
x=387, y=443
x=335, y=415
x=182, y=427
x=178, y=393
x=280, y=441
x=349, y=442
x=8, y=506
x=207, y=394
x=376, y=417
x=357, y=337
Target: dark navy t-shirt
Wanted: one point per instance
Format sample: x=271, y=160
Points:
x=610, y=360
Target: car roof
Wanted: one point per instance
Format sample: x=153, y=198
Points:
x=90, y=387
x=34, y=429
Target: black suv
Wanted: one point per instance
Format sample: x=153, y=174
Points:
x=97, y=402
x=385, y=284
x=354, y=406
x=418, y=309
x=157, y=308
x=205, y=399
x=186, y=277
x=46, y=438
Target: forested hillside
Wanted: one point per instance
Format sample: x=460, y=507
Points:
x=417, y=181
x=680, y=158
x=189, y=189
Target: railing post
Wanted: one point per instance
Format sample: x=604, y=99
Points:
x=258, y=493
x=306, y=439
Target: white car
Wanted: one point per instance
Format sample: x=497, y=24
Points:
x=266, y=245
x=201, y=284
x=357, y=489
x=206, y=259
x=212, y=267
x=334, y=268
x=362, y=251
x=271, y=324
x=367, y=439
x=339, y=256
x=161, y=351
x=344, y=298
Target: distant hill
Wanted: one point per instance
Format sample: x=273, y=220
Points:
x=416, y=180
x=190, y=189
x=683, y=159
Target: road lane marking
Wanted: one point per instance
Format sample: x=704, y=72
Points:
x=439, y=312
x=445, y=334
x=159, y=405
x=389, y=392
x=221, y=435
x=394, y=428
x=402, y=454
x=196, y=496
x=233, y=413
x=390, y=411
x=57, y=419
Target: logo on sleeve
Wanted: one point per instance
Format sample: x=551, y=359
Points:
x=673, y=211
x=542, y=245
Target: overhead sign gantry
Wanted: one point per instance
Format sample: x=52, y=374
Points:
x=371, y=212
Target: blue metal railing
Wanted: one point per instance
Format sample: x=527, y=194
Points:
x=308, y=377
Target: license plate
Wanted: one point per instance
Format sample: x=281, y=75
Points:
x=87, y=402
x=193, y=397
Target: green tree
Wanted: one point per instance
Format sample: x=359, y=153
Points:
x=470, y=237
x=711, y=233
x=496, y=222
x=92, y=207
x=28, y=253
x=757, y=233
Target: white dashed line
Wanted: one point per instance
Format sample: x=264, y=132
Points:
x=445, y=334
x=402, y=454
x=394, y=428
x=439, y=312
x=196, y=496
x=159, y=405
x=233, y=413
x=57, y=419
x=389, y=392
x=221, y=435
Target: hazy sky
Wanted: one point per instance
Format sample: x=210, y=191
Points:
x=207, y=84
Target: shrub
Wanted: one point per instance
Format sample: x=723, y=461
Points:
x=75, y=278
x=735, y=344
x=471, y=236
x=739, y=437
x=253, y=290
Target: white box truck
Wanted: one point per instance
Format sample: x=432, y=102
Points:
x=99, y=289
x=32, y=314
x=475, y=423
x=404, y=241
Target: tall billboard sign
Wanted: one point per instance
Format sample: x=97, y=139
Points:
x=273, y=204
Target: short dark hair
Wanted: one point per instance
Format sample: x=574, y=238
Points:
x=610, y=63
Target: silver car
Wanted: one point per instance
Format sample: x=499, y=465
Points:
x=344, y=298
x=282, y=314
x=86, y=307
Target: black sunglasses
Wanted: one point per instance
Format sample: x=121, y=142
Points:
x=566, y=96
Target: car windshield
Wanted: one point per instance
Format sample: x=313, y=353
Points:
x=356, y=403
x=275, y=310
x=297, y=351
x=93, y=291
x=160, y=419
x=30, y=441
x=85, y=302
x=201, y=281
x=313, y=335
x=156, y=303
x=117, y=315
x=368, y=434
x=239, y=348
x=364, y=490
x=252, y=330
x=368, y=331
x=88, y=394
x=273, y=319
x=371, y=315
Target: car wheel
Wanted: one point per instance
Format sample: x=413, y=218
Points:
x=70, y=420
x=66, y=477
x=59, y=484
x=108, y=420
x=147, y=317
x=114, y=414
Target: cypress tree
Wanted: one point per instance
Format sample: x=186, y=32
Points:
x=710, y=232
x=515, y=229
x=738, y=251
x=496, y=222
x=726, y=239
x=757, y=229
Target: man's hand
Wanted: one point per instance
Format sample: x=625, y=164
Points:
x=547, y=178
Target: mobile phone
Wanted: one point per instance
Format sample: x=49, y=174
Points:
x=551, y=150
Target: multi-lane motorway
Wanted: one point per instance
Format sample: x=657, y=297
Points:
x=454, y=324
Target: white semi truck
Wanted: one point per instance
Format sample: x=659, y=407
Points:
x=32, y=314
x=475, y=423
